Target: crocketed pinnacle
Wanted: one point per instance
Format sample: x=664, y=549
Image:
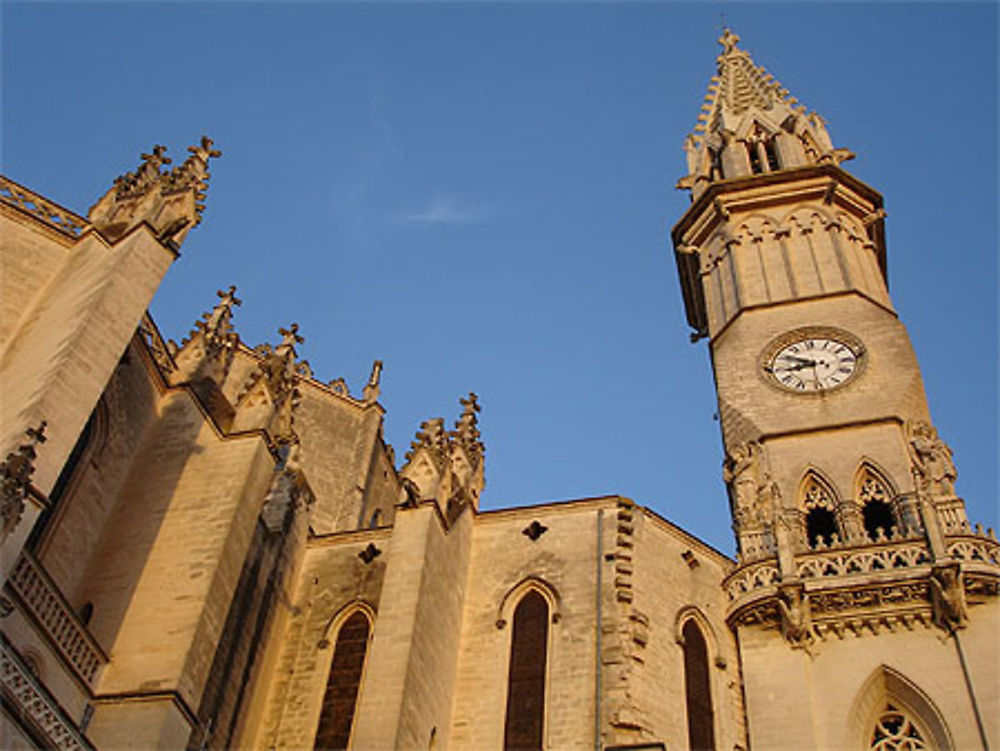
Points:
x=749, y=123
x=739, y=85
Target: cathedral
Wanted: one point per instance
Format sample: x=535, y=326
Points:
x=206, y=546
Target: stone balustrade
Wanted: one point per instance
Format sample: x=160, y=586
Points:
x=57, y=217
x=32, y=702
x=863, y=560
x=47, y=606
x=746, y=579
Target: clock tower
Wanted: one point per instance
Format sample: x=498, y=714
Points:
x=841, y=491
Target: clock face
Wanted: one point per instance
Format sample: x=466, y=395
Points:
x=814, y=363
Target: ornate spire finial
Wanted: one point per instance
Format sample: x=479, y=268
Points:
x=728, y=40
x=371, y=390
x=171, y=202
x=216, y=326
x=466, y=432
x=15, y=473
x=289, y=338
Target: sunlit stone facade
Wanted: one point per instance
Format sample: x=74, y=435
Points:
x=207, y=546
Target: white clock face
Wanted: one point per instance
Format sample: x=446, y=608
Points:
x=814, y=363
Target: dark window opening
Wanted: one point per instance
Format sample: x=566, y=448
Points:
x=697, y=690
x=772, y=156
x=526, y=679
x=341, y=696
x=821, y=524
x=878, y=515
x=755, y=166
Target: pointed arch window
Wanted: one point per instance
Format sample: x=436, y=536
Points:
x=525, y=720
x=874, y=497
x=697, y=689
x=340, y=699
x=896, y=730
x=819, y=503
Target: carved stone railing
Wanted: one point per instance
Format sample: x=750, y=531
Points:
x=951, y=514
x=974, y=548
x=55, y=216
x=746, y=579
x=157, y=347
x=34, y=703
x=45, y=603
x=863, y=560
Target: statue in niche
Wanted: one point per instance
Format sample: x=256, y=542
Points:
x=741, y=472
x=932, y=460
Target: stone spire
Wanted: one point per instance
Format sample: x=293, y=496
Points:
x=750, y=124
x=170, y=201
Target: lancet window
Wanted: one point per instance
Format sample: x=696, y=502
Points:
x=874, y=498
x=895, y=730
x=340, y=699
x=761, y=152
x=819, y=503
x=524, y=725
x=697, y=689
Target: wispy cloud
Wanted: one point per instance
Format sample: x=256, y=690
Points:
x=450, y=209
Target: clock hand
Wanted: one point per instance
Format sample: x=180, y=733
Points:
x=804, y=361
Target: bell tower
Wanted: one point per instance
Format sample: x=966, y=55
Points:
x=841, y=491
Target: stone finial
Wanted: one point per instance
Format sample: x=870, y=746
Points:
x=372, y=390
x=432, y=437
x=466, y=432
x=728, y=40
x=169, y=201
x=289, y=338
x=216, y=325
x=16, y=472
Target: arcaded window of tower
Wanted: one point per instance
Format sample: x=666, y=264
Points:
x=342, y=686
x=697, y=689
x=874, y=497
x=819, y=502
x=526, y=679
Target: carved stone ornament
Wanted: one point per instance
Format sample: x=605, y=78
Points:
x=16, y=472
x=948, y=597
x=796, y=616
x=170, y=201
x=742, y=472
x=933, y=467
x=371, y=391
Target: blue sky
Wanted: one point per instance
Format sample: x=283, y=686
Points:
x=481, y=195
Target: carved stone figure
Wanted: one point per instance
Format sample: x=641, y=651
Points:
x=948, y=597
x=796, y=618
x=932, y=460
x=741, y=471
